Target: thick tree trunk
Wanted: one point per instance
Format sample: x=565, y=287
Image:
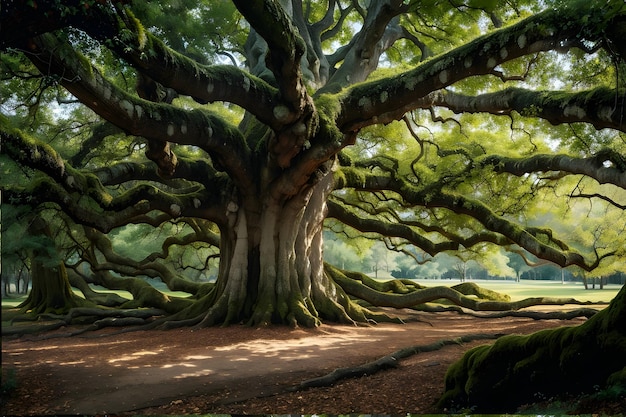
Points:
x=271, y=265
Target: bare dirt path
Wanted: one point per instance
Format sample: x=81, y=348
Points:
x=239, y=369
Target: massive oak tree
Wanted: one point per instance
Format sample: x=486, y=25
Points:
x=440, y=126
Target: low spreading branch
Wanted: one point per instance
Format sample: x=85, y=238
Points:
x=503, y=231
x=614, y=172
x=426, y=295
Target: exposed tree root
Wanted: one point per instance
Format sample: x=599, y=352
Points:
x=414, y=298
x=536, y=315
x=100, y=324
x=31, y=329
x=101, y=318
x=388, y=361
x=369, y=368
x=352, y=294
x=142, y=313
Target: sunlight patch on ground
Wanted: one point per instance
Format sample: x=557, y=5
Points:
x=297, y=357
x=133, y=356
x=183, y=364
x=197, y=363
x=201, y=372
x=17, y=351
x=304, y=347
x=276, y=348
x=72, y=363
x=29, y=349
x=114, y=342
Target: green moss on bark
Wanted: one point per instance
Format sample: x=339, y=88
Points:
x=520, y=369
x=470, y=288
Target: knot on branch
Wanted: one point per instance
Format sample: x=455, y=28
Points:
x=150, y=90
x=161, y=154
x=614, y=158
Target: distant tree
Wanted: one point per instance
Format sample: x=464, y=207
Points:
x=461, y=269
x=520, y=264
x=337, y=252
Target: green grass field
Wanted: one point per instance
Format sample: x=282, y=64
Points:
x=527, y=289
x=13, y=301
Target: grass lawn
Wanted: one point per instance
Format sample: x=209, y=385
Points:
x=527, y=289
x=13, y=301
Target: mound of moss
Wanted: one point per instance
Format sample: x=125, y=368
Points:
x=516, y=370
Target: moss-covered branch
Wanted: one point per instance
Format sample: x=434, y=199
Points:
x=196, y=170
x=408, y=232
x=121, y=264
x=202, y=233
x=106, y=299
x=33, y=153
x=98, y=134
x=87, y=201
x=127, y=208
x=364, y=104
x=594, y=167
x=205, y=83
x=25, y=19
x=601, y=107
x=286, y=47
x=433, y=196
x=360, y=57
x=155, y=121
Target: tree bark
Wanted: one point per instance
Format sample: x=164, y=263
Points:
x=271, y=268
x=51, y=291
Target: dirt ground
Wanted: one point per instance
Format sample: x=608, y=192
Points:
x=240, y=370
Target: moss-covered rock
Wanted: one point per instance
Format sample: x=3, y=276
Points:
x=521, y=369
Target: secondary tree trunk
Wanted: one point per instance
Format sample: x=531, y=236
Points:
x=51, y=291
